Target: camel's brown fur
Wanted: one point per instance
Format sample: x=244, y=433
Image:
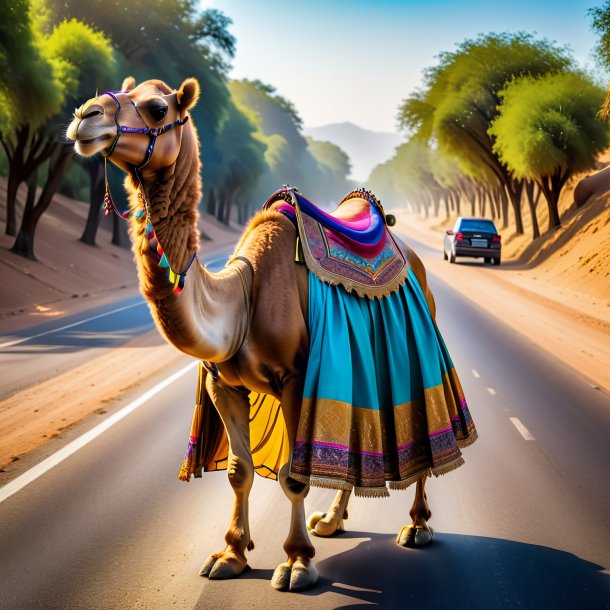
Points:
x=250, y=318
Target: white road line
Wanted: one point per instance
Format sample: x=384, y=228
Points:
x=491, y=391
x=523, y=431
x=56, y=330
x=210, y=261
x=475, y=373
x=53, y=460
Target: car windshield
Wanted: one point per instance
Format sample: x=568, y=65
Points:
x=477, y=224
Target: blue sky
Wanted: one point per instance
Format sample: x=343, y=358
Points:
x=340, y=60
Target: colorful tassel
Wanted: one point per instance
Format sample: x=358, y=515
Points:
x=188, y=465
x=190, y=458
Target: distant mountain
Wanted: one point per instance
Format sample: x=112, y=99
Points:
x=365, y=148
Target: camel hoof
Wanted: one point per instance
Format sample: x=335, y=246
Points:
x=207, y=566
x=325, y=525
x=313, y=519
x=281, y=577
x=415, y=537
x=220, y=566
x=227, y=567
x=302, y=577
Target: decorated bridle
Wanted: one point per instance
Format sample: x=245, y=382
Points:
x=176, y=279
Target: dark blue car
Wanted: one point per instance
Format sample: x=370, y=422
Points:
x=473, y=237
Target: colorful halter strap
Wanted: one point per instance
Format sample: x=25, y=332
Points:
x=176, y=279
x=151, y=132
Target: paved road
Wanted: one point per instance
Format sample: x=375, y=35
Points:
x=32, y=355
x=524, y=524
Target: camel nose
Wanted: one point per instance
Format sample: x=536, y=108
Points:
x=72, y=132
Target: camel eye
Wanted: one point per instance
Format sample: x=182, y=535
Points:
x=157, y=112
x=92, y=114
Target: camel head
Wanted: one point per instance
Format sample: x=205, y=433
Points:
x=118, y=124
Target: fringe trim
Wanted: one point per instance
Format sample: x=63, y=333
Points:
x=466, y=442
x=436, y=471
x=372, y=492
x=323, y=482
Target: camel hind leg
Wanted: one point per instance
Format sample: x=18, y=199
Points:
x=234, y=409
x=329, y=523
x=419, y=533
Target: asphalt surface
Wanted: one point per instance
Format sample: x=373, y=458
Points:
x=32, y=355
x=524, y=524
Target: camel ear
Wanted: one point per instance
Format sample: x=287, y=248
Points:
x=128, y=84
x=188, y=94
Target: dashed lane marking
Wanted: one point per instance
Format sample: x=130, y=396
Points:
x=65, y=452
x=523, y=431
x=491, y=391
x=475, y=373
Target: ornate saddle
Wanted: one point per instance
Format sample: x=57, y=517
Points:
x=351, y=246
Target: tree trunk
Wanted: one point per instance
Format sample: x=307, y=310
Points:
x=24, y=244
x=514, y=189
x=504, y=204
x=458, y=203
x=211, y=203
x=15, y=178
x=96, y=196
x=529, y=193
x=551, y=189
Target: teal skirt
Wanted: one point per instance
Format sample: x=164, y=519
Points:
x=382, y=403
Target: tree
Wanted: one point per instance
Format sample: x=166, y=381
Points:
x=288, y=157
x=460, y=100
x=80, y=59
x=547, y=130
x=334, y=167
x=29, y=96
x=600, y=23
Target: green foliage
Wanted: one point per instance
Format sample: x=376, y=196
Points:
x=319, y=169
x=82, y=58
x=460, y=97
x=548, y=125
x=29, y=91
x=600, y=23
x=334, y=166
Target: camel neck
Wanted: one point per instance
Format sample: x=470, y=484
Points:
x=172, y=196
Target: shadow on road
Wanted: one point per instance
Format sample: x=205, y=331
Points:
x=462, y=572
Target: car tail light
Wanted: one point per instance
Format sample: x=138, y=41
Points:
x=460, y=236
x=497, y=238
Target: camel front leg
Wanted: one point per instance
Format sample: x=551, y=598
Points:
x=329, y=523
x=234, y=409
x=297, y=572
x=419, y=533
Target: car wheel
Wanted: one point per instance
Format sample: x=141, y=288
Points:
x=497, y=260
x=487, y=260
x=451, y=257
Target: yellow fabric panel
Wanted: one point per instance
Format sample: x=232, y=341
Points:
x=268, y=438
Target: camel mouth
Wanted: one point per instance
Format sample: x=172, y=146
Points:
x=91, y=141
x=90, y=146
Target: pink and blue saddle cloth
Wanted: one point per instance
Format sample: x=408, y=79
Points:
x=382, y=404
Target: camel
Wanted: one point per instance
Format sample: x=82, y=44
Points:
x=249, y=318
